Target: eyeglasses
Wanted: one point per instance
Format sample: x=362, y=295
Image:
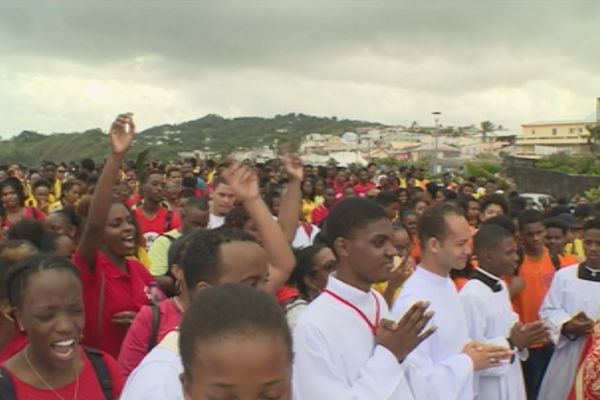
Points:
x=62, y=171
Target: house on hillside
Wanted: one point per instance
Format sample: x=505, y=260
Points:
x=429, y=150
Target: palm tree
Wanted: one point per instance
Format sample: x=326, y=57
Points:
x=487, y=127
x=594, y=139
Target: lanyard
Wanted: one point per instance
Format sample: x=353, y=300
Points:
x=372, y=326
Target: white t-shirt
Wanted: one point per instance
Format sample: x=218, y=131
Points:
x=215, y=221
x=305, y=237
x=157, y=377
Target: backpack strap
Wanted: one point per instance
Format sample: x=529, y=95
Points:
x=155, y=326
x=102, y=373
x=171, y=238
x=555, y=261
x=169, y=220
x=521, y=255
x=7, y=388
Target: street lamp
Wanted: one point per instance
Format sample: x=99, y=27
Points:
x=436, y=118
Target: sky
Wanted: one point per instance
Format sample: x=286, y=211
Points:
x=73, y=65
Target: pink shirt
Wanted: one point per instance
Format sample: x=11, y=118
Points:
x=135, y=345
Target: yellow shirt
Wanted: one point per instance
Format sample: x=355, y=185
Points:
x=576, y=248
x=307, y=207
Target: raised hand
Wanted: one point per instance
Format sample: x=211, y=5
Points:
x=524, y=336
x=293, y=167
x=402, y=337
x=486, y=356
x=243, y=180
x=402, y=271
x=122, y=133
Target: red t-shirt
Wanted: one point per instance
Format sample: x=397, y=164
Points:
x=15, y=345
x=165, y=220
x=319, y=214
x=89, y=385
x=133, y=200
x=135, y=345
x=122, y=292
x=362, y=190
x=28, y=213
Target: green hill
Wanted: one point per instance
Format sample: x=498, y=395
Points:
x=218, y=134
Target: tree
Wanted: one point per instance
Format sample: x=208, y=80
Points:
x=487, y=127
x=594, y=139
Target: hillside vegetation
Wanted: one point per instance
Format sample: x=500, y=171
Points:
x=212, y=132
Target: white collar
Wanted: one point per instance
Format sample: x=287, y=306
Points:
x=486, y=273
x=348, y=292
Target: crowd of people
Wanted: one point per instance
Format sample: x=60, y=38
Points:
x=204, y=280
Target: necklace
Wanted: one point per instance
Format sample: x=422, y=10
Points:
x=75, y=392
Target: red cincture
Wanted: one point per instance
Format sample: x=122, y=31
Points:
x=372, y=326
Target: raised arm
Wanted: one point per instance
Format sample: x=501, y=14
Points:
x=121, y=136
x=290, y=203
x=244, y=182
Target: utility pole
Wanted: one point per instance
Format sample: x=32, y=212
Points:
x=436, y=118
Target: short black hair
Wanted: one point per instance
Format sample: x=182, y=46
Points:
x=583, y=211
x=494, y=198
x=12, y=252
x=464, y=200
x=70, y=215
x=237, y=218
x=350, y=215
x=27, y=229
x=432, y=223
x=68, y=185
x=529, y=217
x=503, y=221
x=407, y=212
x=463, y=185
x=556, y=223
x=146, y=174
x=489, y=237
x=304, y=267
x=228, y=311
x=203, y=253
x=17, y=277
x=593, y=223
x=41, y=182
x=218, y=180
x=88, y=164
x=199, y=203
x=386, y=198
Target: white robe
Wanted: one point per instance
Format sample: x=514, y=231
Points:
x=437, y=368
x=336, y=357
x=567, y=296
x=490, y=318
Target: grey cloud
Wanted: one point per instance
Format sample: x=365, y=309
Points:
x=264, y=56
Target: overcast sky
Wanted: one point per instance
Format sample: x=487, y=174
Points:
x=73, y=65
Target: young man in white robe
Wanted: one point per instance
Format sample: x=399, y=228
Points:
x=345, y=345
x=490, y=316
x=570, y=309
x=443, y=366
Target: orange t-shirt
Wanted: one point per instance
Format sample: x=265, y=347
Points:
x=415, y=251
x=460, y=282
x=537, y=276
x=568, y=259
